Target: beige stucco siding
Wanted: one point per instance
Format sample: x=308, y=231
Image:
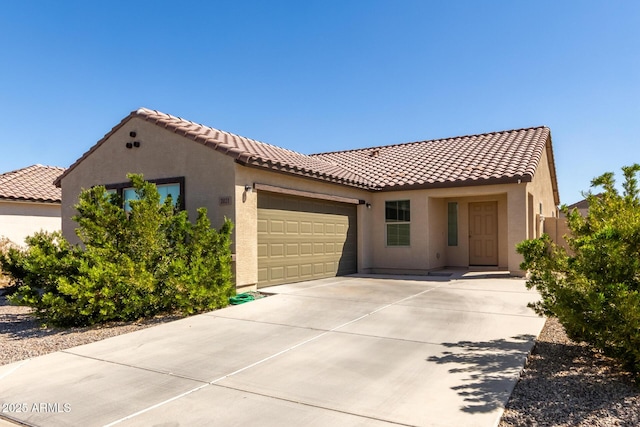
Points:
x=162, y=154
x=429, y=248
x=404, y=259
x=21, y=219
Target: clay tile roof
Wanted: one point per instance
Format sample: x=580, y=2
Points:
x=245, y=150
x=491, y=158
x=465, y=160
x=34, y=183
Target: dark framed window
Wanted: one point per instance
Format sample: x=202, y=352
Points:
x=173, y=187
x=398, y=222
x=452, y=223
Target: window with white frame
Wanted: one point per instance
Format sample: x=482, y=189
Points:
x=398, y=222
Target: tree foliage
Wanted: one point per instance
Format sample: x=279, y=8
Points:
x=130, y=264
x=594, y=289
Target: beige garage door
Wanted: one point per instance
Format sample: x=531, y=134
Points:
x=301, y=239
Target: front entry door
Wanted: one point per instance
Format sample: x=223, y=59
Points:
x=483, y=233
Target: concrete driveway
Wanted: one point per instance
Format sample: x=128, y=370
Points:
x=346, y=351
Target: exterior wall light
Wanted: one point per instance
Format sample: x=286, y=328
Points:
x=368, y=205
x=248, y=188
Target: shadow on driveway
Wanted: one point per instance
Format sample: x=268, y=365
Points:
x=491, y=365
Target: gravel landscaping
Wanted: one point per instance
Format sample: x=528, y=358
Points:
x=562, y=384
x=566, y=384
x=21, y=337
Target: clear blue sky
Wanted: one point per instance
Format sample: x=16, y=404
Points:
x=324, y=75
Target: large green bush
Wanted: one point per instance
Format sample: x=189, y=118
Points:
x=130, y=264
x=594, y=289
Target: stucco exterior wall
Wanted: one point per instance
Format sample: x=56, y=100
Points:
x=209, y=175
x=542, y=201
x=429, y=248
x=21, y=219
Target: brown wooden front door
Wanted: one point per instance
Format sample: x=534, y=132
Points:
x=483, y=233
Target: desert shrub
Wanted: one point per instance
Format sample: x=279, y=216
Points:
x=5, y=244
x=595, y=290
x=130, y=264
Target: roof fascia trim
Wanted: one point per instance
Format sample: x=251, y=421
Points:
x=304, y=173
x=456, y=184
x=308, y=194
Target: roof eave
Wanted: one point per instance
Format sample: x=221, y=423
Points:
x=552, y=170
x=30, y=200
x=516, y=179
x=277, y=168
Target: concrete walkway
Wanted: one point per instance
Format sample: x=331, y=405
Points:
x=347, y=351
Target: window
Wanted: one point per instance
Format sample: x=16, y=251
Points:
x=452, y=223
x=398, y=222
x=173, y=187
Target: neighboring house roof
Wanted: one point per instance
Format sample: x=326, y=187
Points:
x=491, y=158
x=581, y=205
x=34, y=184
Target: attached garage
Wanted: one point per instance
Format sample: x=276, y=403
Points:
x=302, y=238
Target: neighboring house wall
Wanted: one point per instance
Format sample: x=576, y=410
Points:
x=557, y=229
x=21, y=219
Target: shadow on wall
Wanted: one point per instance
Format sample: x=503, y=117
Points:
x=492, y=368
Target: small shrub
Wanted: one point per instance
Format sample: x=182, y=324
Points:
x=132, y=264
x=595, y=291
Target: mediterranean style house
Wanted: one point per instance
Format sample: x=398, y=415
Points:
x=406, y=208
x=29, y=202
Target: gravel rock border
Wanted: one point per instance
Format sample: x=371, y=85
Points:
x=22, y=337
x=562, y=384
x=567, y=384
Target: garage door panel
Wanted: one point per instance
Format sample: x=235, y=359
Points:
x=276, y=273
x=276, y=226
x=306, y=249
x=306, y=270
x=293, y=227
x=306, y=227
x=293, y=249
x=263, y=250
x=263, y=275
x=293, y=271
x=304, y=239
